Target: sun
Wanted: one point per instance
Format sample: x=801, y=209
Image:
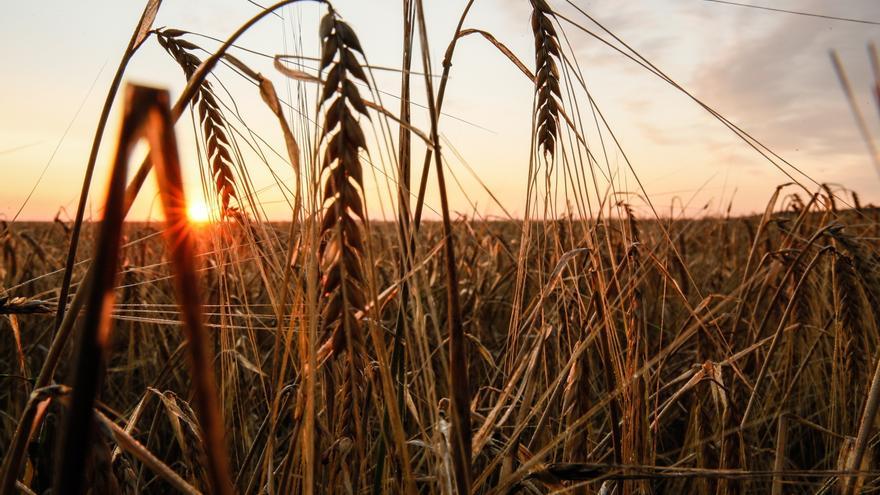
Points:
x=198, y=212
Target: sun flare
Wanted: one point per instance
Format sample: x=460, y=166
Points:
x=198, y=212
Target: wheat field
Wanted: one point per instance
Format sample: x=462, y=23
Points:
x=593, y=346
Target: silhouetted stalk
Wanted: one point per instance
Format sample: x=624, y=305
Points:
x=441, y=92
x=147, y=113
x=458, y=361
x=77, y=435
x=404, y=227
x=137, y=39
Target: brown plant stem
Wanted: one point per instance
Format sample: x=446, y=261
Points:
x=133, y=45
x=458, y=361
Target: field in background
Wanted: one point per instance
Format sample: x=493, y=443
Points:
x=779, y=309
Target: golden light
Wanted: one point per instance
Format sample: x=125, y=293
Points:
x=198, y=212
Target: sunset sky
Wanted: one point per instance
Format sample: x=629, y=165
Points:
x=769, y=72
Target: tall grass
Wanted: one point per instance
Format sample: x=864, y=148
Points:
x=585, y=348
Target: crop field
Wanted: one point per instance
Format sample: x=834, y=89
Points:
x=594, y=345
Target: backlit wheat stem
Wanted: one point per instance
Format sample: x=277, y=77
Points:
x=216, y=133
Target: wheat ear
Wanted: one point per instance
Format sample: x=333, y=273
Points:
x=342, y=244
x=341, y=227
x=546, y=76
x=216, y=133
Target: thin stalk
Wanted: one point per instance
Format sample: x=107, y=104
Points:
x=441, y=92
x=79, y=430
x=774, y=344
x=779, y=460
x=147, y=114
x=857, y=113
x=407, y=243
x=872, y=404
x=183, y=260
x=458, y=362
x=137, y=39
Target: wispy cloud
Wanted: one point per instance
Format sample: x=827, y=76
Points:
x=779, y=83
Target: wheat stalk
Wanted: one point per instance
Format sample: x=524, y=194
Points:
x=342, y=248
x=147, y=113
x=848, y=308
x=140, y=34
x=216, y=132
x=546, y=76
x=342, y=240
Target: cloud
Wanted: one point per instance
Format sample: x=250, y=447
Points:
x=778, y=82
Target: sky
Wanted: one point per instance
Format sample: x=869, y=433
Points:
x=768, y=72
